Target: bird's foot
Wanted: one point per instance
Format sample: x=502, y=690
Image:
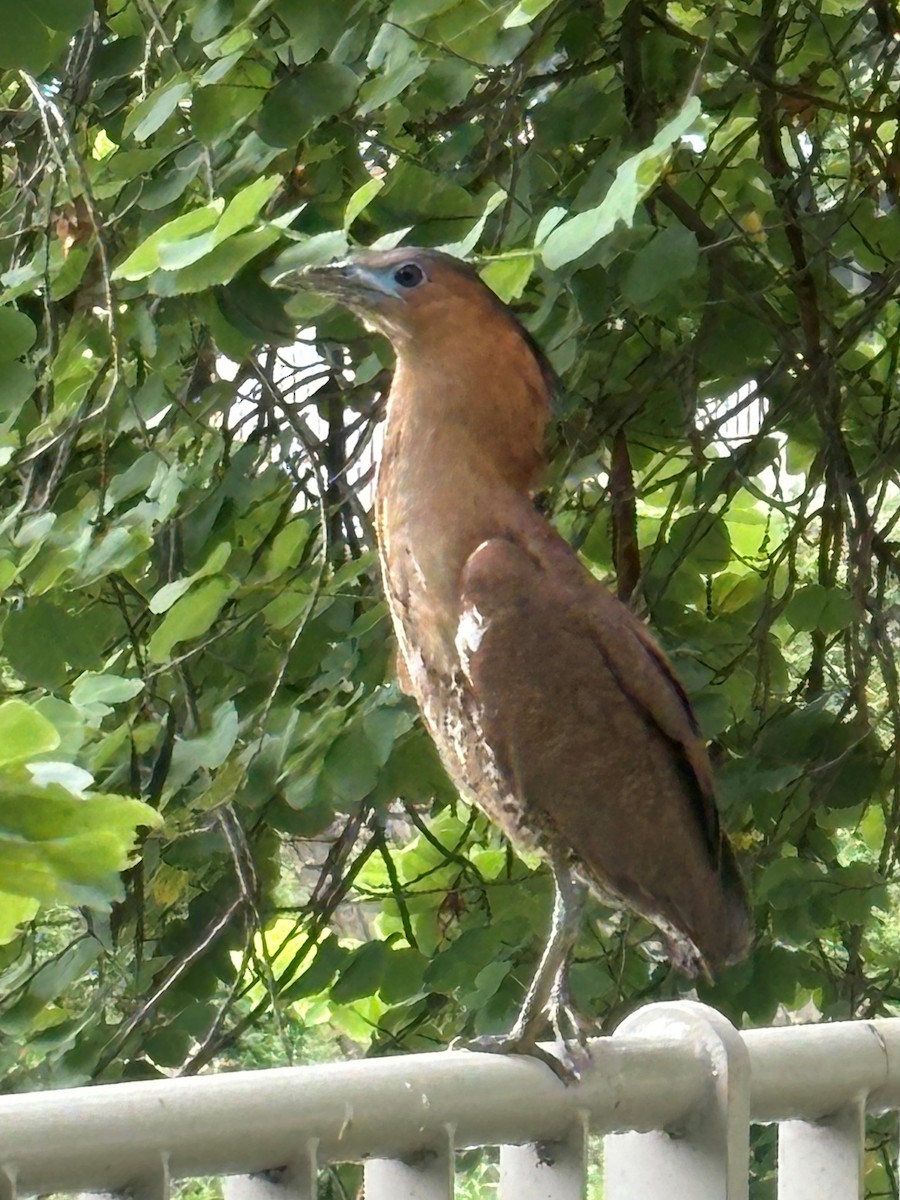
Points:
x=562, y=1067
x=571, y=1034
x=568, y=1059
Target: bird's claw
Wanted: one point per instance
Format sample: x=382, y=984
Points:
x=565, y=1064
x=569, y=1027
x=573, y=1053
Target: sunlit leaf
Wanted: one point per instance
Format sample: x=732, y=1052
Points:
x=24, y=732
x=153, y=112
x=190, y=617
x=634, y=179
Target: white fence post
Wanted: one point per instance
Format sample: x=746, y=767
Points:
x=709, y=1158
x=296, y=1181
x=823, y=1160
x=427, y=1176
x=155, y=1184
x=547, y=1170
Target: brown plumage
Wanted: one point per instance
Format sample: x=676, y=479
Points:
x=551, y=705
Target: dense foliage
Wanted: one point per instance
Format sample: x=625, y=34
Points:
x=693, y=207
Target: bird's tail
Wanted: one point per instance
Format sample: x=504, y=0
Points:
x=727, y=929
x=737, y=928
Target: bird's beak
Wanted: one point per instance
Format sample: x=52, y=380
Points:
x=349, y=282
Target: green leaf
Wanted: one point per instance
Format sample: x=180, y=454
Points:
x=548, y=222
x=362, y=974
x=814, y=606
x=42, y=640
x=487, y=983
x=668, y=258
x=243, y=209
x=634, y=179
x=146, y=258
x=217, y=267
x=92, y=688
x=15, y=911
x=17, y=382
x=404, y=975
x=405, y=12
x=255, y=311
x=361, y=199
x=789, y=882
x=209, y=750
x=857, y=888
x=456, y=966
x=26, y=42
x=287, y=548
x=68, y=723
x=190, y=617
x=329, y=956
x=163, y=600
x=508, y=277
x=17, y=334
x=525, y=12
x=351, y=767
x=65, y=15
x=58, y=847
x=172, y=256
x=46, y=985
x=24, y=733
x=301, y=102
x=384, y=727
x=115, y=550
x=466, y=245
x=702, y=541
x=218, y=110
x=312, y=252
x=151, y=113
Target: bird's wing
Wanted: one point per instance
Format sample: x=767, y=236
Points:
x=645, y=677
x=507, y=585
x=595, y=738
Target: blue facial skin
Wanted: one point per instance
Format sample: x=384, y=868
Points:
x=363, y=284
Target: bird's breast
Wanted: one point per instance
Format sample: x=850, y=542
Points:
x=430, y=518
x=435, y=505
x=435, y=642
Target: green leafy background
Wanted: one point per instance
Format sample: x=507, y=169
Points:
x=224, y=837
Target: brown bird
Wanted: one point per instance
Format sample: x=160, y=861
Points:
x=551, y=705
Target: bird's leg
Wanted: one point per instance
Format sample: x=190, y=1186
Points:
x=548, y=993
x=568, y=1025
x=549, y=987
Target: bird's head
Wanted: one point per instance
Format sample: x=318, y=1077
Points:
x=419, y=299
x=457, y=346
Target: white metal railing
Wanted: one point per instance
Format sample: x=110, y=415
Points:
x=674, y=1091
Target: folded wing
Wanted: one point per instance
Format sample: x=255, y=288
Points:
x=597, y=741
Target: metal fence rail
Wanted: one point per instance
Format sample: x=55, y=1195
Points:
x=674, y=1090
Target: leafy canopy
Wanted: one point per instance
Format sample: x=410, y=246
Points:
x=693, y=208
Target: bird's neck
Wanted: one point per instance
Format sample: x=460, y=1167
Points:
x=478, y=410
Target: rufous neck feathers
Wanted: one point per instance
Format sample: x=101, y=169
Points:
x=476, y=404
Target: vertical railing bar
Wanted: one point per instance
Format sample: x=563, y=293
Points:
x=823, y=1160
x=152, y=1185
x=426, y=1176
x=546, y=1171
x=296, y=1181
x=708, y=1159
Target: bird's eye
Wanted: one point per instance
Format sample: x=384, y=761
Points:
x=410, y=275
